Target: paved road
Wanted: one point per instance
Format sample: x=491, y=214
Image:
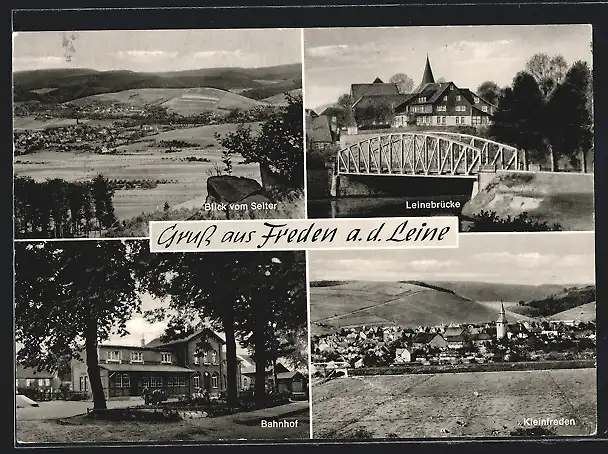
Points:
x=64, y=409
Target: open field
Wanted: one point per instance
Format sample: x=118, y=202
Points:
x=145, y=160
x=232, y=427
x=584, y=312
x=422, y=405
x=387, y=303
x=183, y=101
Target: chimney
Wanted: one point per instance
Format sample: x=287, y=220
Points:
x=143, y=341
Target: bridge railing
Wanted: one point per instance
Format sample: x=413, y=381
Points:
x=426, y=153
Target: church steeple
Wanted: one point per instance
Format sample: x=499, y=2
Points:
x=501, y=323
x=427, y=77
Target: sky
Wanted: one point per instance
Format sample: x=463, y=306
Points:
x=158, y=50
x=527, y=259
x=467, y=55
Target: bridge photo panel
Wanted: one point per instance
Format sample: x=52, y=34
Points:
x=489, y=123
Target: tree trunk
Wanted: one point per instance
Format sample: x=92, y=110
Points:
x=583, y=161
x=99, y=399
x=551, y=156
x=231, y=363
x=260, y=362
x=274, y=375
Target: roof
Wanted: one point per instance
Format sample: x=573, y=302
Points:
x=358, y=90
x=145, y=368
x=287, y=375
x=395, y=99
x=31, y=372
x=456, y=338
x=453, y=331
x=401, y=350
x=251, y=370
x=425, y=338
x=377, y=80
x=482, y=336
x=156, y=343
x=317, y=128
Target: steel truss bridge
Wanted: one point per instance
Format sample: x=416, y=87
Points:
x=428, y=153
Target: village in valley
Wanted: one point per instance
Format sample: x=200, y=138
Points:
x=499, y=341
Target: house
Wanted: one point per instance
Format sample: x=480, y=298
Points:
x=451, y=331
x=246, y=363
x=455, y=342
x=480, y=339
x=442, y=104
x=287, y=380
x=403, y=355
x=422, y=340
x=29, y=377
x=178, y=367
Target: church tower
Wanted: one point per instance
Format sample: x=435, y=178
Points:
x=501, y=324
x=427, y=77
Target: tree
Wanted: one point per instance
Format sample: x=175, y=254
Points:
x=404, y=83
x=441, y=80
x=104, y=208
x=278, y=147
x=69, y=294
x=518, y=118
x=547, y=71
x=345, y=101
x=569, y=124
x=489, y=91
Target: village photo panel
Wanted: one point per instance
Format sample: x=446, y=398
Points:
x=118, y=344
x=495, y=338
x=116, y=128
x=493, y=124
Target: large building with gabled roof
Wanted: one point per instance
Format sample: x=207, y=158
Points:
x=429, y=104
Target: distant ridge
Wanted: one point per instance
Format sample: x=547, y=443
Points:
x=70, y=84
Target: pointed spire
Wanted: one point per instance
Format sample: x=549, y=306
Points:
x=503, y=316
x=427, y=77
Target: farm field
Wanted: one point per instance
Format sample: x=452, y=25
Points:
x=422, y=405
x=359, y=303
x=144, y=160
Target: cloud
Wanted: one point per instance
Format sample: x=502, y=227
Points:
x=217, y=53
x=144, y=55
x=427, y=265
x=48, y=61
x=326, y=51
x=534, y=259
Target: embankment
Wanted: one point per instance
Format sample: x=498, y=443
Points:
x=562, y=198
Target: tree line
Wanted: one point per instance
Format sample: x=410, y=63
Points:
x=547, y=111
x=71, y=296
x=56, y=208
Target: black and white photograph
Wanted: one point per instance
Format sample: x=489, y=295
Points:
x=495, y=338
x=493, y=124
x=116, y=344
x=116, y=128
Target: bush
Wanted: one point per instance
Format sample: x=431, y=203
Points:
x=489, y=221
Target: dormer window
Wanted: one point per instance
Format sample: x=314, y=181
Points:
x=422, y=99
x=197, y=359
x=457, y=97
x=165, y=358
x=137, y=357
x=484, y=108
x=445, y=98
x=113, y=356
x=476, y=99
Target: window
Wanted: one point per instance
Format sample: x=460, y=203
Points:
x=120, y=380
x=180, y=381
x=445, y=98
x=196, y=381
x=451, y=87
x=145, y=382
x=461, y=108
x=422, y=99
x=214, y=380
x=476, y=120
x=213, y=358
x=443, y=120
x=44, y=382
x=156, y=382
x=476, y=99
x=137, y=357
x=126, y=381
x=170, y=381
x=165, y=358
x=457, y=120
x=461, y=120
x=197, y=359
x=442, y=108
x=484, y=108
x=457, y=97
x=113, y=356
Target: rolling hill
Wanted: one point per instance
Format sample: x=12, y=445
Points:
x=584, y=313
x=69, y=84
x=491, y=291
x=569, y=298
x=184, y=101
x=351, y=303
